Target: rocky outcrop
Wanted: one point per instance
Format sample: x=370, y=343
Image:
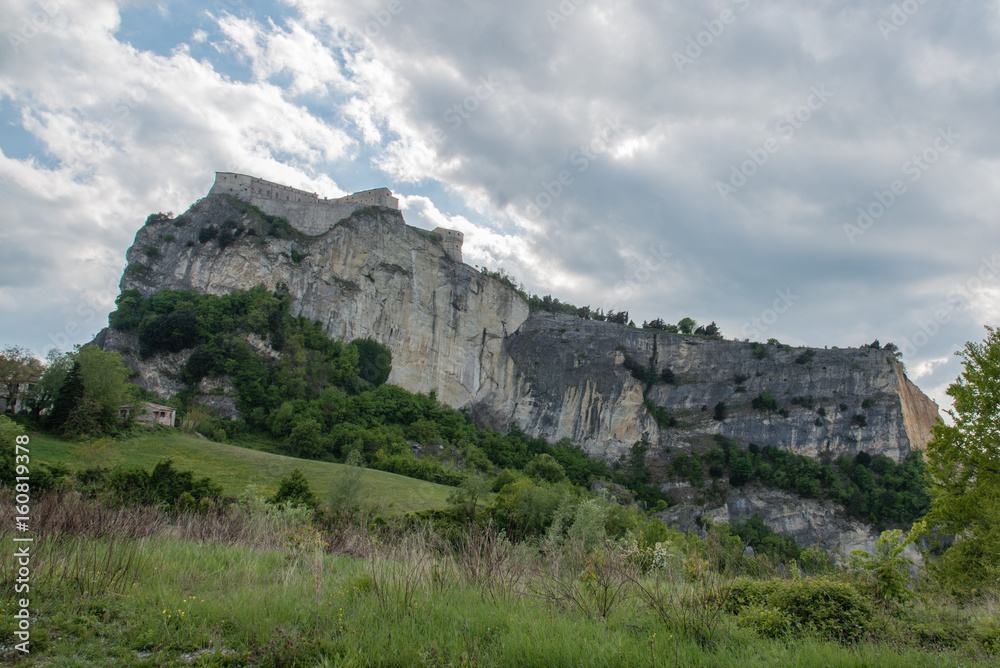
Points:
x=470, y=338
x=810, y=522
x=370, y=275
x=567, y=377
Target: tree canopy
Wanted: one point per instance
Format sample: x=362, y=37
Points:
x=963, y=467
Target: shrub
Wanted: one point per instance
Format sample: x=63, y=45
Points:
x=136, y=269
x=764, y=401
x=759, y=351
x=720, y=411
x=766, y=621
x=206, y=234
x=830, y=608
x=151, y=251
x=226, y=237
x=805, y=357
x=294, y=489
x=859, y=420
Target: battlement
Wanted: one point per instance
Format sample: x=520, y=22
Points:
x=253, y=189
x=452, y=241
x=309, y=213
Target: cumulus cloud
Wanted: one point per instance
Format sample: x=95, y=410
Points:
x=674, y=159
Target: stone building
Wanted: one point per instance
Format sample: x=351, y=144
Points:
x=311, y=214
x=149, y=413
x=452, y=241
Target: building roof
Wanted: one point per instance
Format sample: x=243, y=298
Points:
x=155, y=407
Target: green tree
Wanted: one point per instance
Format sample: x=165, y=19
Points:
x=70, y=394
x=42, y=397
x=105, y=380
x=545, y=467
x=465, y=498
x=686, y=325
x=306, y=439
x=963, y=469
x=294, y=488
x=374, y=361
x=17, y=366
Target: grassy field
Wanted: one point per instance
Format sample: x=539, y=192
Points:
x=235, y=467
x=146, y=594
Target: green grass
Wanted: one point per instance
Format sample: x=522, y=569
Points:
x=167, y=601
x=235, y=467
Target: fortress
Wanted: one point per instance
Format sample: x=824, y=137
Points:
x=309, y=213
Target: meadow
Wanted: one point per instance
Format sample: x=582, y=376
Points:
x=249, y=585
x=234, y=468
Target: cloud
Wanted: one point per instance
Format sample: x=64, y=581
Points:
x=493, y=119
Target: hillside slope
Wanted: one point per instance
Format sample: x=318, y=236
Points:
x=234, y=468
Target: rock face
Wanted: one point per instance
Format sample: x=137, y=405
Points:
x=370, y=275
x=811, y=523
x=471, y=339
x=566, y=378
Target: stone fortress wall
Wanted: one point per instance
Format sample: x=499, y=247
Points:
x=452, y=241
x=310, y=214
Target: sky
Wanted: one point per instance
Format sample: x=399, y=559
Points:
x=823, y=173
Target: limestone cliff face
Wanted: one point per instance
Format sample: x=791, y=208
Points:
x=810, y=522
x=368, y=276
x=565, y=377
x=472, y=339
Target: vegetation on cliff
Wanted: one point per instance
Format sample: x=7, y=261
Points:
x=323, y=399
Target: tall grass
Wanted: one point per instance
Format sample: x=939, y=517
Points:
x=245, y=585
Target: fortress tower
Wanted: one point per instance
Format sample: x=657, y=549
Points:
x=452, y=241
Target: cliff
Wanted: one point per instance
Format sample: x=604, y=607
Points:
x=369, y=275
x=471, y=339
x=566, y=377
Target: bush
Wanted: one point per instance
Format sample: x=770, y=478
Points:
x=720, y=411
x=830, y=608
x=206, y=234
x=374, y=361
x=294, y=489
x=764, y=402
